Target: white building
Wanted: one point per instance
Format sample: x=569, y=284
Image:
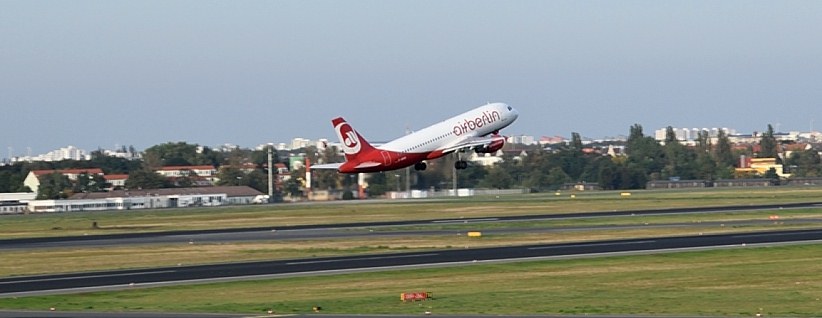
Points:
x=299, y=143
x=186, y=171
x=150, y=199
x=486, y=159
x=522, y=139
x=692, y=134
x=67, y=153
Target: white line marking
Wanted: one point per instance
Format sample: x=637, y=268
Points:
x=360, y=259
x=466, y=221
x=586, y=245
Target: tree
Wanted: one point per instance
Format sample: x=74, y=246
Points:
x=644, y=153
x=497, y=178
x=89, y=183
x=678, y=159
x=556, y=178
x=231, y=176
x=146, y=179
x=53, y=186
x=722, y=154
x=771, y=174
x=807, y=163
x=377, y=184
x=768, y=145
x=609, y=176
x=576, y=141
x=670, y=135
x=260, y=157
x=182, y=154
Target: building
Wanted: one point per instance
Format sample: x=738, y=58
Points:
x=486, y=159
x=15, y=203
x=677, y=184
x=67, y=153
x=760, y=166
x=116, y=181
x=203, y=175
x=724, y=183
x=151, y=199
x=692, y=134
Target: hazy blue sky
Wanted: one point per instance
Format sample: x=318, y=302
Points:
x=100, y=73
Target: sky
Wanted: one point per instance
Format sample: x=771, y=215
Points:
x=104, y=73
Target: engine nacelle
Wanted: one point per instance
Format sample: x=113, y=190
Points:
x=496, y=144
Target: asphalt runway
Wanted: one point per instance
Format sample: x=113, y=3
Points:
x=359, y=229
x=115, y=280
x=124, y=279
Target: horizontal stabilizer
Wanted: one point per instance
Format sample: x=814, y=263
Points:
x=334, y=166
x=367, y=164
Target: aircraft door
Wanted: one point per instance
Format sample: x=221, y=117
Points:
x=386, y=158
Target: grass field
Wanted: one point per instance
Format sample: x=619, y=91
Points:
x=774, y=281
x=80, y=223
x=39, y=261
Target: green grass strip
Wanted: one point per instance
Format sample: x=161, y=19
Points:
x=774, y=281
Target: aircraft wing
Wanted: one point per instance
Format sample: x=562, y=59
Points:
x=469, y=143
x=336, y=165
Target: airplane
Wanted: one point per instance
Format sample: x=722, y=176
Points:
x=477, y=130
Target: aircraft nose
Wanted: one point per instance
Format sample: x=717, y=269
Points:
x=513, y=112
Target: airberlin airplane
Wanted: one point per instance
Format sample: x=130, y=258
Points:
x=477, y=130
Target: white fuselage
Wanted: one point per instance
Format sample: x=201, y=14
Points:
x=480, y=121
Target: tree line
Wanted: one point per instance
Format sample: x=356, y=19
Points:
x=532, y=167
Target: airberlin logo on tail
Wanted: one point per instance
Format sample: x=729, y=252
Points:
x=348, y=137
x=473, y=124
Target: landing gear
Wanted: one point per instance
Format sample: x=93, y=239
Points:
x=420, y=166
x=460, y=164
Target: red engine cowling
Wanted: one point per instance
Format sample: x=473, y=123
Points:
x=496, y=144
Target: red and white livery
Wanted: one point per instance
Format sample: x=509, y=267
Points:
x=477, y=130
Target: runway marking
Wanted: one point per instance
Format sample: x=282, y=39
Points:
x=587, y=245
x=362, y=258
x=763, y=234
x=84, y=277
x=466, y=221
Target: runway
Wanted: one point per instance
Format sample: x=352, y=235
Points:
x=92, y=281
x=356, y=229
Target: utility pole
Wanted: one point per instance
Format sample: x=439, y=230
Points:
x=454, y=174
x=408, y=181
x=408, y=170
x=270, y=175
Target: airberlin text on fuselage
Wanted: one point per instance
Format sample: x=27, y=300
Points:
x=471, y=125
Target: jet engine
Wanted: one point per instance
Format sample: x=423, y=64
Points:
x=496, y=144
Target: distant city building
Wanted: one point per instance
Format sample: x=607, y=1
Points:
x=691, y=134
x=522, y=139
x=300, y=143
x=126, y=153
x=67, y=153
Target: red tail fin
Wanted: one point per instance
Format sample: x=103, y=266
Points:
x=353, y=144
